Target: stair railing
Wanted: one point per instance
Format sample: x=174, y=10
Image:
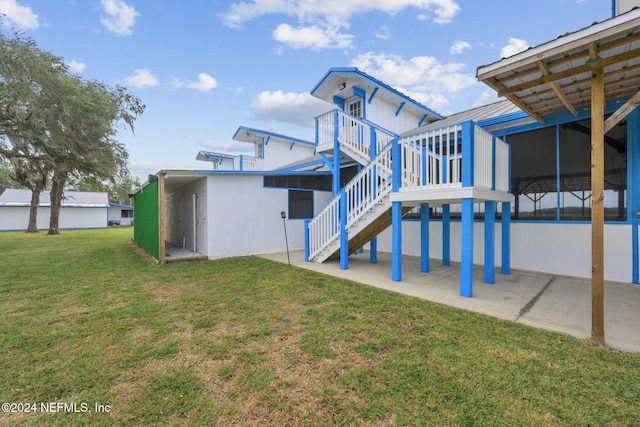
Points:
x=354, y=133
x=367, y=188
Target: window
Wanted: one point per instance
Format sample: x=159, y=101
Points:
x=354, y=107
x=126, y=213
x=300, y=204
x=546, y=189
x=260, y=149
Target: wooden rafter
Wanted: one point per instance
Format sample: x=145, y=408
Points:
x=622, y=112
x=556, y=89
x=572, y=72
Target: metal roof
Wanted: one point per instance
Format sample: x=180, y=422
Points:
x=502, y=108
x=555, y=77
x=18, y=197
x=250, y=135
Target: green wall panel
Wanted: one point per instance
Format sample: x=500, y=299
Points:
x=145, y=228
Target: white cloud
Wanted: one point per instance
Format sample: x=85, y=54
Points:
x=296, y=108
x=76, y=67
x=120, y=17
x=141, y=79
x=383, y=33
x=458, y=47
x=204, y=84
x=20, y=16
x=423, y=78
x=514, y=46
x=313, y=37
x=487, y=97
x=321, y=23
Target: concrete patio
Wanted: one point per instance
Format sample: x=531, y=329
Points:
x=555, y=303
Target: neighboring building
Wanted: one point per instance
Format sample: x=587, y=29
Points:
x=504, y=185
x=120, y=214
x=78, y=210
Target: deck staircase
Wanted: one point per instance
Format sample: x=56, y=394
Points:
x=363, y=206
x=449, y=163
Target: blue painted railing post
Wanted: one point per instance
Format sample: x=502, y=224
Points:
x=307, y=241
x=489, y=241
x=396, y=213
x=424, y=237
x=336, y=153
x=396, y=244
x=241, y=166
x=344, y=237
x=467, y=154
x=466, y=267
x=506, y=238
x=373, y=188
x=373, y=251
x=446, y=235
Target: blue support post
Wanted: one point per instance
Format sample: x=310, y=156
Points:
x=307, y=249
x=373, y=251
x=396, y=213
x=336, y=153
x=466, y=268
x=396, y=241
x=506, y=238
x=489, y=241
x=424, y=237
x=344, y=237
x=446, y=235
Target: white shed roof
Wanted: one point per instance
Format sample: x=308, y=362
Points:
x=17, y=197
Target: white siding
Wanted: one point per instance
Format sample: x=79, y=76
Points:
x=383, y=114
x=244, y=217
x=17, y=218
x=563, y=249
x=279, y=153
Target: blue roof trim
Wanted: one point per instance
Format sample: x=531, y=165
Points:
x=120, y=205
x=320, y=162
x=287, y=173
x=268, y=135
x=356, y=72
x=373, y=94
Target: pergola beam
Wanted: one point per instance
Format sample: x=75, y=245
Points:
x=556, y=89
x=622, y=112
x=597, y=202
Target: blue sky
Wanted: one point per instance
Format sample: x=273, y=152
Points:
x=204, y=68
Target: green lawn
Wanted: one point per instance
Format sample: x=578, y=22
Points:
x=87, y=320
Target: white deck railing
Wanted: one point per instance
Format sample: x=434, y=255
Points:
x=368, y=187
x=248, y=163
x=352, y=132
x=436, y=159
x=432, y=159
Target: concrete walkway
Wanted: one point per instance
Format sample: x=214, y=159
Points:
x=543, y=301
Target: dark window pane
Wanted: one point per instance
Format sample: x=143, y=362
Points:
x=300, y=204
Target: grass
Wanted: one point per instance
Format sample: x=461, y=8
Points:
x=245, y=341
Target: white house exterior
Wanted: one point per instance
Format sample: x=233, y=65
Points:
x=78, y=210
x=505, y=185
x=120, y=214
